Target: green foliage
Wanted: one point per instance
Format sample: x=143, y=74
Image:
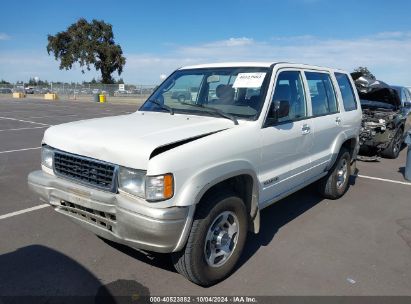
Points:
x=33, y=82
x=99, y=81
x=88, y=44
x=4, y=82
x=365, y=72
x=93, y=81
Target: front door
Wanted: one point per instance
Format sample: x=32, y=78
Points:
x=287, y=141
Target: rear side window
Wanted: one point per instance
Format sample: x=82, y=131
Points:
x=403, y=96
x=347, y=92
x=322, y=93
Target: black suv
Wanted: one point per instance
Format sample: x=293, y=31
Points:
x=386, y=119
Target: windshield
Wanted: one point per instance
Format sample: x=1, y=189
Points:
x=229, y=92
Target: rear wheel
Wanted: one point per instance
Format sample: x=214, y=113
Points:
x=335, y=183
x=216, y=240
x=394, y=149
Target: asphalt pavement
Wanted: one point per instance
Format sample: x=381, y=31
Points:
x=308, y=246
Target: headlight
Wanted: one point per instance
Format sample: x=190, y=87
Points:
x=132, y=181
x=152, y=188
x=159, y=187
x=47, y=157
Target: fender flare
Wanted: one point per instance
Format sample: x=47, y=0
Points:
x=194, y=188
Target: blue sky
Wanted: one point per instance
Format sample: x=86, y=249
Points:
x=159, y=36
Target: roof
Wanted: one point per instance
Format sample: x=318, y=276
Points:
x=255, y=64
x=229, y=64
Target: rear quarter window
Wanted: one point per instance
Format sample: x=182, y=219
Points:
x=347, y=92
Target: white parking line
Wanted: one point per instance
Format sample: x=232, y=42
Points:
x=27, y=149
x=51, y=116
x=11, y=214
x=385, y=180
x=28, y=121
x=42, y=127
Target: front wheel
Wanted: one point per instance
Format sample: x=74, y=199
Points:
x=394, y=149
x=216, y=240
x=335, y=183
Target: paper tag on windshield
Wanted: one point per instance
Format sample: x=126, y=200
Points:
x=249, y=80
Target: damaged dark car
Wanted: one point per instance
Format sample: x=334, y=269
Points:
x=386, y=119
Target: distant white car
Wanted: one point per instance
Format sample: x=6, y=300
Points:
x=29, y=90
x=122, y=92
x=190, y=178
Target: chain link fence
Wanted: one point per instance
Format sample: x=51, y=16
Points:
x=81, y=91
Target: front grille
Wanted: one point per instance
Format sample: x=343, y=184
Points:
x=85, y=170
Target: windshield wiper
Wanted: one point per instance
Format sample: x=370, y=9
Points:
x=163, y=106
x=217, y=111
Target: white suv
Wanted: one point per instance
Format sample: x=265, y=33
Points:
x=191, y=177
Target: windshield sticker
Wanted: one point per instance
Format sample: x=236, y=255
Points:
x=249, y=80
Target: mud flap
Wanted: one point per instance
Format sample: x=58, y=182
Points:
x=353, y=167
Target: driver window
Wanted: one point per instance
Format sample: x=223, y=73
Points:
x=289, y=87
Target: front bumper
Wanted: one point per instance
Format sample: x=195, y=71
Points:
x=115, y=217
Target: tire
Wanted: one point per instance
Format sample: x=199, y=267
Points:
x=394, y=149
x=335, y=183
x=181, y=98
x=194, y=261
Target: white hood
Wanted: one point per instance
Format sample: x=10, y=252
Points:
x=128, y=140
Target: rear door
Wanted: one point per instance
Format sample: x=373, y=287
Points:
x=286, y=143
x=327, y=120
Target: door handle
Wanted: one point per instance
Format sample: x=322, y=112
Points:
x=338, y=120
x=306, y=129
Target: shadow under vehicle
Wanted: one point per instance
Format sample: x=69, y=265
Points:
x=386, y=119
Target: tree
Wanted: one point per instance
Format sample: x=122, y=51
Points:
x=365, y=72
x=39, y=82
x=88, y=44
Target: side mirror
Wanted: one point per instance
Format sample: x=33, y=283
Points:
x=407, y=104
x=280, y=109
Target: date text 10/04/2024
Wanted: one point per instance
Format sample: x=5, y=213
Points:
x=204, y=299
